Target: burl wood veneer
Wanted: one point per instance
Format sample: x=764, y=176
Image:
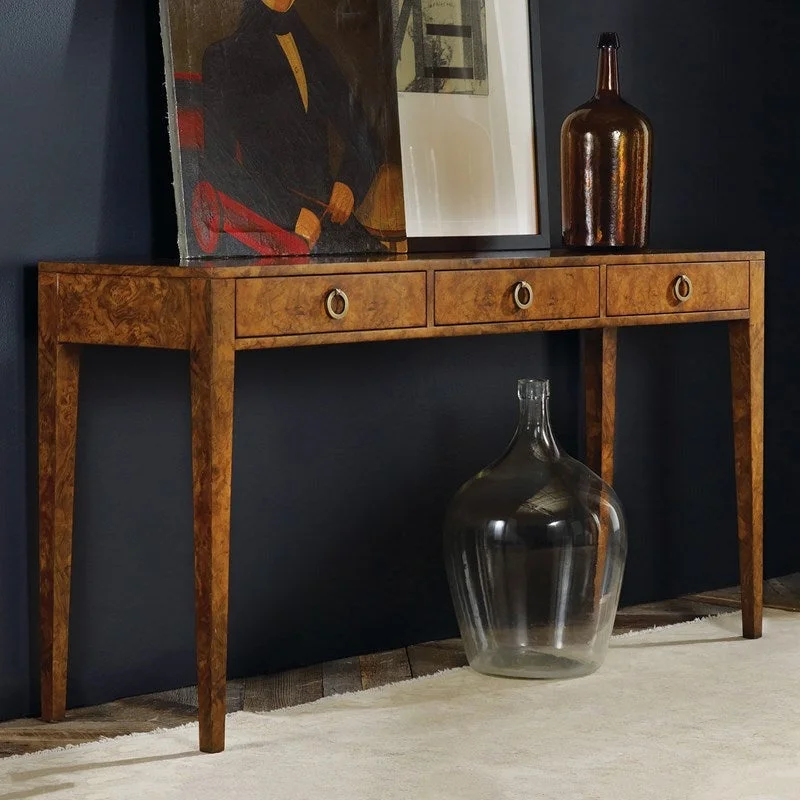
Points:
x=214, y=309
x=283, y=306
x=464, y=297
x=651, y=289
x=600, y=388
x=58, y=422
x=211, y=359
x=137, y=312
x=747, y=376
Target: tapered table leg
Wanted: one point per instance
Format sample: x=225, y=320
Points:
x=600, y=388
x=747, y=383
x=58, y=419
x=212, y=366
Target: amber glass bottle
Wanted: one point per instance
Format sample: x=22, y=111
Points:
x=606, y=157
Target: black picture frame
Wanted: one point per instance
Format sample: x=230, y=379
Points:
x=541, y=240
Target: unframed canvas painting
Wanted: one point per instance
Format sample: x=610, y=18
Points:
x=284, y=127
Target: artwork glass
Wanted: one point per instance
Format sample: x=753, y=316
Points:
x=284, y=127
x=472, y=156
x=440, y=46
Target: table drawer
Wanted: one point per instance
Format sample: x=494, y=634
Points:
x=464, y=297
x=330, y=303
x=669, y=288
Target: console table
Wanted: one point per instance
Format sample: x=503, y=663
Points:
x=214, y=309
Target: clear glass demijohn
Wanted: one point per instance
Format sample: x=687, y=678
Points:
x=535, y=549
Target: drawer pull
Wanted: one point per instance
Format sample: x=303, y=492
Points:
x=333, y=296
x=523, y=289
x=682, y=288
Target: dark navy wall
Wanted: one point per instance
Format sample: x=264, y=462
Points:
x=345, y=456
x=718, y=82
x=74, y=152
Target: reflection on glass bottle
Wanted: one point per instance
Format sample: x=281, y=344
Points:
x=535, y=549
x=606, y=159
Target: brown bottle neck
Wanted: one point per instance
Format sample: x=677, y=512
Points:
x=607, y=72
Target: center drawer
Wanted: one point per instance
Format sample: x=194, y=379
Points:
x=330, y=303
x=465, y=297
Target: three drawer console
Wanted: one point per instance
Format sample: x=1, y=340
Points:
x=214, y=309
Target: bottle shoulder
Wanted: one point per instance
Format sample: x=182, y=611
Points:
x=611, y=112
x=501, y=506
x=516, y=477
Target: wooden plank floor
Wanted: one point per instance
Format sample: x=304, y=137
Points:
x=304, y=685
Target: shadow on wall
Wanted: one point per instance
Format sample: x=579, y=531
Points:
x=93, y=175
x=106, y=96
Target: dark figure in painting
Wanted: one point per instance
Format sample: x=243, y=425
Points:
x=270, y=93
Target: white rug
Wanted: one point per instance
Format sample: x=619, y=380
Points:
x=688, y=712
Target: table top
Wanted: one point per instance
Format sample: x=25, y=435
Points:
x=320, y=265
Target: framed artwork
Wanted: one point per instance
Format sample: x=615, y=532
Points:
x=471, y=123
x=284, y=127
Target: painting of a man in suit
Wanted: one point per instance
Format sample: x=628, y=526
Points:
x=287, y=137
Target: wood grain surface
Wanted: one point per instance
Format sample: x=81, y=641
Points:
x=187, y=697
x=285, y=306
x=782, y=593
x=649, y=288
x=288, y=688
x=600, y=392
x=341, y=676
x=58, y=419
x=212, y=362
x=431, y=657
x=382, y=668
x=140, y=312
x=466, y=297
x=447, y=331
x=747, y=379
x=321, y=265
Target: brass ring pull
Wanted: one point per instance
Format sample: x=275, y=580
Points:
x=682, y=288
x=523, y=288
x=333, y=296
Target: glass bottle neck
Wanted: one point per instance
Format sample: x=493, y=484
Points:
x=534, y=428
x=607, y=72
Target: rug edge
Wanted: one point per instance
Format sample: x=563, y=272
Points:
x=185, y=727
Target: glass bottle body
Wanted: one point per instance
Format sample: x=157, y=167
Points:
x=606, y=163
x=535, y=549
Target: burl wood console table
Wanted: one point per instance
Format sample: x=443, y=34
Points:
x=214, y=309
